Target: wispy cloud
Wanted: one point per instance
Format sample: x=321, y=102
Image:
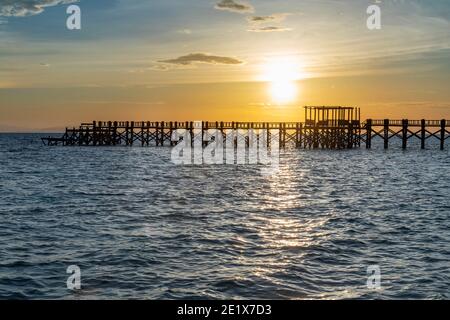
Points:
x=235, y=6
x=185, y=31
x=195, y=58
x=260, y=23
x=276, y=17
x=23, y=8
x=269, y=29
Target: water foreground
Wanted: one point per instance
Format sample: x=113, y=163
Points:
x=141, y=227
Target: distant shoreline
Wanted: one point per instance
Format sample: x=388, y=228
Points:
x=32, y=132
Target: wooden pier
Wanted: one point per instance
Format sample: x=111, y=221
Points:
x=324, y=128
x=406, y=130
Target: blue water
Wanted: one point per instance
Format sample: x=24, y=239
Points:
x=140, y=227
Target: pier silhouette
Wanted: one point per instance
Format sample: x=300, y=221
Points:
x=324, y=127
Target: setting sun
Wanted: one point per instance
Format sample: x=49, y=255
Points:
x=283, y=91
x=282, y=74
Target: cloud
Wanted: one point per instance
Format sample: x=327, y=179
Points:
x=185, y=31
x=24, y=8
x=270, y=29
x=161, y=66
x=276, y=17
x=194, y=58
x=234, y=6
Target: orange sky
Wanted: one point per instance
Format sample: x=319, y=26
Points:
x=201, y=61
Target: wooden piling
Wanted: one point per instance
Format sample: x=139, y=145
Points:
x=94, y=133
x=161, y=143
x=131, y=133
x=386, y=133
x=404, y=133
x=423, y=132
x=369, y=134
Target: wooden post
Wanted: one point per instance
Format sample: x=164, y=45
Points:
x=147, y=138
x=157, y=140
x=350, y=134
x=142, y=134
x=280, y=134
x=300, y=135
x=404, y=133
x=217, y=128
x=94, y=133
x=176, y=129
x=205, y=126
x=80, y=137
x=99, y=133
x=162, y=133
x=222, y=134
x=127, y=133
x=422, y=134
x=186, y=127
x=443, y=122
x=191, y=130
x=114, y=137
x=132, y=133
x=386, y=133
x=369, y=134
x=316, y=136
x=170, y=133
x=359, y=127
x=108, y=137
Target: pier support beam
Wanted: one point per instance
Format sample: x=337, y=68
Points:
x=157, y=140
x=423, y=133
x=316, y=137
x=132, y=133
x=350, y=135
x=147, y=134
x=443, y=122
x=369, y=134
x=127, y=133
x=404, y=133
x=386, y=133
x=162, y=134
x=142, y=134
x=298, y=134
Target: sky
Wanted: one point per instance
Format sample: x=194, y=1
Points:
x=219, y=60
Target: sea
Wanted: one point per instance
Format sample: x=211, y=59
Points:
x=330, y=224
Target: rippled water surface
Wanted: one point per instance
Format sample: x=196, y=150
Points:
x=140, y=227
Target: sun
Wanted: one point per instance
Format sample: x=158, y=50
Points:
x=282, y=74
x=283, y=92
